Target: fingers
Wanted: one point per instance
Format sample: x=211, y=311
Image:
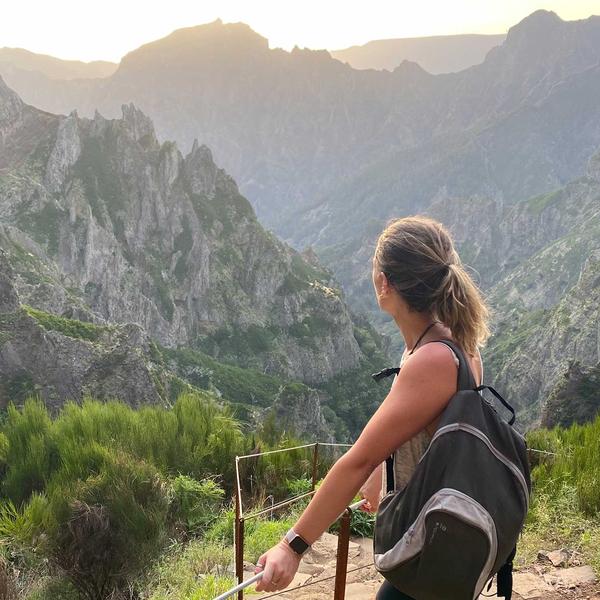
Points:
x=267, y=579
x=260, y=563
x=273, y=578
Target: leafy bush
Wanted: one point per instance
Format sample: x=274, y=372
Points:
x=196, y=502
x=89, y=490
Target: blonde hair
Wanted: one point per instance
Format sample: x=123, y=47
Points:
x=418, y=257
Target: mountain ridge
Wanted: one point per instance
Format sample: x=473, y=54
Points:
x=104, y=224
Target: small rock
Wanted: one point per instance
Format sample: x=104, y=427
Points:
x=529, y=585
x=574, y=576
x=559, y=558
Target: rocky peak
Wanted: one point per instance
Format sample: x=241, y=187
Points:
x=535, y=28
x=65, y=153
x=203, y=43
x=409, y=68
x=200, y=169
x=138, y=124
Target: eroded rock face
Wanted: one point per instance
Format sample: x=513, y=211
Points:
x=9, y=299
x=134, y=232
x=574, y=398
x=58, y=363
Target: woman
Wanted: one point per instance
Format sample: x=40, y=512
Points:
x=419, y=280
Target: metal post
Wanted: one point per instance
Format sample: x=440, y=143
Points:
x=239, y=532
x=314, y=465
x=239, y=555
x=342, y=556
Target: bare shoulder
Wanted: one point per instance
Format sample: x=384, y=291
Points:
x=431, y=357
x=431, y=368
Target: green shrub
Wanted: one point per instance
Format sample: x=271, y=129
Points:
x=574, y=464
x=103, y=530
x=31, y=454
x=196, y=502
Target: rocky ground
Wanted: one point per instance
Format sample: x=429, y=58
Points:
x=554, y=576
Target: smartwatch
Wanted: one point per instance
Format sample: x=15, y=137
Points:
x=296, y=543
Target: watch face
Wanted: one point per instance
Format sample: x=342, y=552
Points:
x=298, y=544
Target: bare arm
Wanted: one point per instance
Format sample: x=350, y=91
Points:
x=418, y=395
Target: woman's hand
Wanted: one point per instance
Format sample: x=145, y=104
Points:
x=279, y=566
x=371, y=490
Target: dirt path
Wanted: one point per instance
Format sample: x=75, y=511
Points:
x=543, y=582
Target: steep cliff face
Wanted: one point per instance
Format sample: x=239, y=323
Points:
x=104, y=227
x=136, y=232
x=61, y=360
x=575, y=398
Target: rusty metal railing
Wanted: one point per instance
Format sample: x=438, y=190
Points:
x=343, y=535
x=241, y=517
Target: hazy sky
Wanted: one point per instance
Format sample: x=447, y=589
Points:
x=109, y=29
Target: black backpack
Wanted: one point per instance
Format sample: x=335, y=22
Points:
x=456, y=522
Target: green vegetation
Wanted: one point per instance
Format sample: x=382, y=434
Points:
x=512, y=332
x=238, y=385
x=229, y=344
x=537, y=204
x=353, y=396
x=103, y=497
x=69, y=327
x=566, y=493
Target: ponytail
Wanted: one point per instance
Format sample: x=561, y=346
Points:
x=459, y=305
x=418, y=257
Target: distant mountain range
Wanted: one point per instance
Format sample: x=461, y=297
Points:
x=15, y=60
x=436, y=54
x=320, y=149
x=327, y=154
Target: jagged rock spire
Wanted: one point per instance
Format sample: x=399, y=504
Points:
x=139, y=124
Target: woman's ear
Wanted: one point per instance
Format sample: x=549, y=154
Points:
x=383, y=284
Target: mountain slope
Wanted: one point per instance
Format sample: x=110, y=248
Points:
x=103, y=224
x=307, y=136
x=538, y=263
x=19, y=59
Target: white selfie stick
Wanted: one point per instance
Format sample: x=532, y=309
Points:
x=258, y=576
x=240, y=587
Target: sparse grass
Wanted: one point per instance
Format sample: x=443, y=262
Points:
x=565, y=506
x=69, y=327
x=200, y=570
x=554, y=522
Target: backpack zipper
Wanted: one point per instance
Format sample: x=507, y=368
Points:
x=468, y=428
